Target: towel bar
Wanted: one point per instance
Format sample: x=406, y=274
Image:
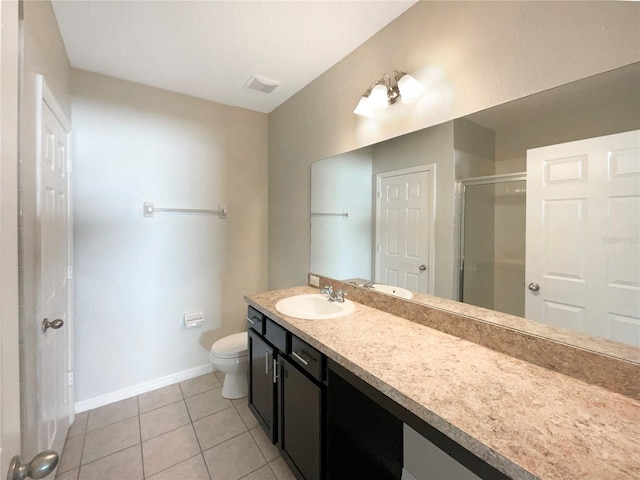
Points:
x=150, y=210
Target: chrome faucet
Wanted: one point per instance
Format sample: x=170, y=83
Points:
x=333, y=296
x=368, y=284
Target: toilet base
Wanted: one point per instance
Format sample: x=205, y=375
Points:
x=235, y=386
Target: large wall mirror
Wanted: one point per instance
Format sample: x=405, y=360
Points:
x=531, y=208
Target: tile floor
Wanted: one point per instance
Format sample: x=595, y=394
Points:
x=185, y=431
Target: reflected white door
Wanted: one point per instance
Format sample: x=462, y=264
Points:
x=404, y=229
x=583, y=236
x=55, y=401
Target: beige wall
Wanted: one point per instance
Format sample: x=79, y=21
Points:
x=471, y=55
x=475, y=149
x=137, y=277
x=43, y=54
x=512, y=143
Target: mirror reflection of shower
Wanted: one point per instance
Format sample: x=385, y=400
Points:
x=492, y=250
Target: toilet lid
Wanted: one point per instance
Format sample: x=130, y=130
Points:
x=232, y=346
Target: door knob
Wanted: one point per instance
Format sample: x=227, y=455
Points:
x=422, y=268
x=534, y=287
x=41, y=466
x=56, y=324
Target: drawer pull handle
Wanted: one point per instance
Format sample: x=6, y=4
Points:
x=251, y=321
x=306, y=362
x=275, y=371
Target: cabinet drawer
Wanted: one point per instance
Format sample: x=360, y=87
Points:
x=307, y=357
x=255, y=320
x=276, y=335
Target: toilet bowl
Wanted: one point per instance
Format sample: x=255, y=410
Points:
x=229, y=355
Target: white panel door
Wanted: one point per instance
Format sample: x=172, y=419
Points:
x=404, y=230
x=55, y=401
x=583, y=236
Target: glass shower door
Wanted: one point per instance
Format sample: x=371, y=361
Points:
x=493, y=243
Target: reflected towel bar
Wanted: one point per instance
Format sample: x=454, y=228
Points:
x=149, y=209
x=330, y=214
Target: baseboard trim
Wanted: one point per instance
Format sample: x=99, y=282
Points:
x=134, y=390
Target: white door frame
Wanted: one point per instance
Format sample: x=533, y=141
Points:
x=10, y=434
x=45, y=96
x=432, y=217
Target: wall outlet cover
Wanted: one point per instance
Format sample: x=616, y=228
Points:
x=314, y=280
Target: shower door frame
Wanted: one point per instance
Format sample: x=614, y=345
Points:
x=474, y=181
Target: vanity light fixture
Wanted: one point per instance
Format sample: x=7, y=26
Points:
x=387, y=90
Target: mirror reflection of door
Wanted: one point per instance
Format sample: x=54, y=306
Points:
x=583, y=236
x=403, y=229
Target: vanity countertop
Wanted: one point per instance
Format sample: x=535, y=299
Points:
x=525, y=420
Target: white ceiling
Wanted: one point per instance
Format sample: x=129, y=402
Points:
x=209, y=49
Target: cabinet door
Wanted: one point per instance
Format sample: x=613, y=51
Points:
x=262, y=389
x=301, y=410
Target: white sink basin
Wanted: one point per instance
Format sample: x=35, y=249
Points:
x=314, y=306
x=391, y=290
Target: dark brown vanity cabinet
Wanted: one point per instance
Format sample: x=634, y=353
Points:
x=286, y=394
x=266, y=341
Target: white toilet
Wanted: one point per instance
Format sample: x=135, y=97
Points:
x=229, y=355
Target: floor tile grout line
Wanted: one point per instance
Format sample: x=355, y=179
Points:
x=93, y=411
x=242, y=418
x=168, y=431
x=254, y=471
x=171, y=466
x=140, y=437
x=225, y=441
x=84, y=439
x=257, y=444
x=231, y=438
x=111, y=424
x=81, y=452
x=144, y=475
x=108, y=455
x=275, y=474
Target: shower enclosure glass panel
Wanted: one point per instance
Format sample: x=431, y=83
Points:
x=493, y=243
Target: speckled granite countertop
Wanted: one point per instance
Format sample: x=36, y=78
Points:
x=527, y=421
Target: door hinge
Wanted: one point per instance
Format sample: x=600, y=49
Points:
x=378, y=249
x=379, y=194
x=70, y=378
x=69, y=167
x=69, y=272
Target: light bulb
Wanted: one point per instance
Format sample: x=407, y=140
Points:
x=410, y=88
x=378, y=97
x=364, y=107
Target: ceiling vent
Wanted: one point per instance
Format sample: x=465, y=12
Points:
x=261, y=84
